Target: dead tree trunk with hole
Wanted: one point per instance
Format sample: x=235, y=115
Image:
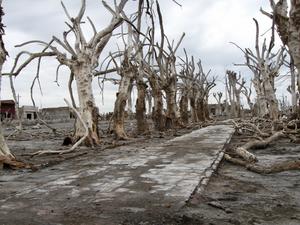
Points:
x=265, y=66
x=82, y=60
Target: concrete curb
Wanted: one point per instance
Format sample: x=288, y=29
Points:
x=204, y=180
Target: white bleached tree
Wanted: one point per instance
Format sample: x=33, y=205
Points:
x=81, y=58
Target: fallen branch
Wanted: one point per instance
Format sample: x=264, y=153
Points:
x=256, y=144
x=76, y=144
x=264, y=143
x=245, y=154
x=274, y=168
x=254, y=129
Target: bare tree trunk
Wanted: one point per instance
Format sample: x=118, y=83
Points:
x=129, y=101
x=149, y=101
x=288, y=29
x=142, y=124
x=171, y=118
x=292, y=87
x=206, y=109
x=272, y=101
x=238, y=106
x=193, y=110
x=200, y=110
x=120, y=104
x=262, y=106
x=4, y=150
x=184, y=114
x=157, y=113
x=87, y=108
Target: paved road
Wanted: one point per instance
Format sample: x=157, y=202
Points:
x=115, y=185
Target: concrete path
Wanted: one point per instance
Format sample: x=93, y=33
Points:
x=115, y=185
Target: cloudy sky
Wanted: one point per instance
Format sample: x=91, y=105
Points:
x=209, y=27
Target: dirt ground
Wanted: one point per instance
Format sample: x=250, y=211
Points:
x=237, y=196
x=233, y=196
x=25, y=144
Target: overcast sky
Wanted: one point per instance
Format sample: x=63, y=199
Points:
x=209, y=27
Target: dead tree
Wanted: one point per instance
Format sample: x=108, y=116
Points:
x=292, y=87
x=130, y=71
x=247, y=92
x=203, y=87
x=265, y=66
x=186, y=86
x=140, y=107
x=6, y=157
x=127, y=72
x=158, y=115
x=195, y=87
x=4, y=150
x=234, y=86
x=82, y=60
x=288, y=28
x=166, y=60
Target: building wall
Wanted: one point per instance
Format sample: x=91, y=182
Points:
x=28, y=112
x=60, y=113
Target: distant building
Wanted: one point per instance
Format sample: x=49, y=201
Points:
x=8, y=110
x=58, y=113
x=216, y=109
x=28, y=112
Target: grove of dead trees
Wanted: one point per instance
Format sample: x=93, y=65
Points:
x=175, y=84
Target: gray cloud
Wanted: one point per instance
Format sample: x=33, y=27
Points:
x=209, y=27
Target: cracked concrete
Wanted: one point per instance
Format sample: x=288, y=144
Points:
x=115, y=183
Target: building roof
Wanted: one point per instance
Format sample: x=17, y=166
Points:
x=56, y=108
x=7, y=102
x=29, y=108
